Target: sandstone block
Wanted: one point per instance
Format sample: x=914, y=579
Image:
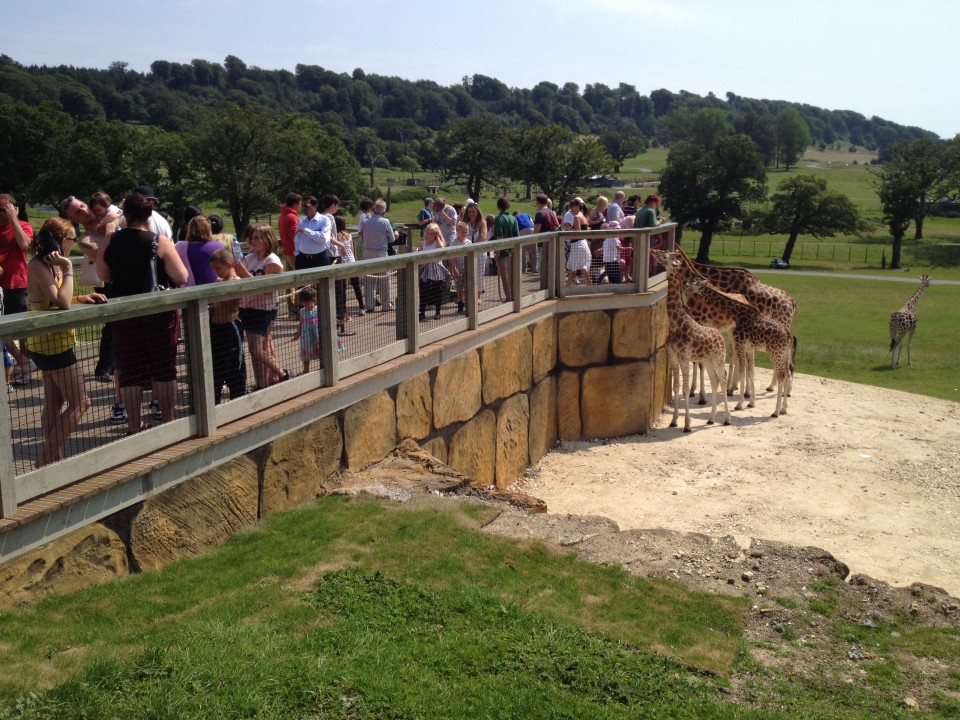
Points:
x=543, y=419
x=89, y=556
x=507, y=364
x=544, y=348
x=513, y=435
x=616, y=400
x=369, y=430
x=583, y=338
x=414, y=407
x=568, y=406
x=436, y=447
x=196, y=515
x=457, y=390
x=635, y=332
x=473, y=448
x=299, y=464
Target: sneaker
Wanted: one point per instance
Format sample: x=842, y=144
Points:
x=379, y=303
x=104, y=377
x=391, y=306
x=423, y=316
x=363, y=311
x=118, y=416
x=23, y=374
x=155, y=410
x=436, y=315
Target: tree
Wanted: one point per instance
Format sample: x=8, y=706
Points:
x=556, y=160
x=408, y=165
x=370, y=151
x=793, y=136
x=897, y=200
x=924, y=168
x=712, y=187
x=803, y=205
x=28, y=138
x=475, y=152
x=248, y=157
x=620, y=146
x=762, y=129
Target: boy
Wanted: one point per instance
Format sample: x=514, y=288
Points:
x=226, y=336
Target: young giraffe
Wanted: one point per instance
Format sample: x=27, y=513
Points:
x=690, y=342
x=904, y=322
x=772, y=302
x=751, y=331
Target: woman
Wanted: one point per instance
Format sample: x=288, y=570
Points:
x=195, y=250
x=579, y=258
x=257, y=312
x=50, y=284
x=476, y=233
x=146, y=347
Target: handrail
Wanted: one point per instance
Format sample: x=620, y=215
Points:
x=204, y=418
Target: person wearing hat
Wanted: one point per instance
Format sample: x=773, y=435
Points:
x=425, y=215
x=158, y=223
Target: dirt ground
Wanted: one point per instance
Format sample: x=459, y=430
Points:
x=868, y=474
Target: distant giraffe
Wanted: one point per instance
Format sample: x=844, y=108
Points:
x=690, y=342
x=904, y=322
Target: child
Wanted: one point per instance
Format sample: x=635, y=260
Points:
x=104, y=211
x=432, y=274
x=459, y=266
x=308, y=333
x=612, y=264
x=226, y=335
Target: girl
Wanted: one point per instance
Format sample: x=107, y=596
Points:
x=308, y=333
x=612, y=264
x=459, y=266
x=348, y=255
x=257, y=312
x=432, y=274
x=579, y=258
x=49, y=287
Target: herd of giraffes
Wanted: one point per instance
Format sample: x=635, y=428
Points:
x=756, y=316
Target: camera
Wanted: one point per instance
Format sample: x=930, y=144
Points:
x=46, y=244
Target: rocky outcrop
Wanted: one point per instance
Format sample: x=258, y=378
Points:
x=89, y=556
x=369, y=430
x=196, y=515
x=457, y=390
x=298, y=465
x=414, y=407
x=507, y=366
x=583, y=338
x=513, y=430
x=473, y=448
x=614, y=400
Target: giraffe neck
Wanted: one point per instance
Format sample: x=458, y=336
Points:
x=675, y=307
x=912, y=302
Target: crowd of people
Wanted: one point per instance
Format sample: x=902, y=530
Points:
x=129, y=248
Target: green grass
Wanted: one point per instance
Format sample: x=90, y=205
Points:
x=354, y=608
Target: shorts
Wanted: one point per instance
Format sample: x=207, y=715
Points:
x=146, y=348
x=49, y=363
x=257, y=321
x=15, y=301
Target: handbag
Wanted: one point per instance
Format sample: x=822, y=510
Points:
x=88, y=274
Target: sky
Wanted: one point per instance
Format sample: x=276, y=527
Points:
x=895, y=60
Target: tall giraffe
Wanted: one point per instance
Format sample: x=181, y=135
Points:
x=751, y=331
x=772, y=302
x=904, y=322
x=690, y=342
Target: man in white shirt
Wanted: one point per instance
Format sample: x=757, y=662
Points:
x=158, y=223
x=312, y=240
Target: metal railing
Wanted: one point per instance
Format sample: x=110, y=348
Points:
x=382, y=338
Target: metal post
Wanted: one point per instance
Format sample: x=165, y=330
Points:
x=409, y=281
x=516, y=273
x=472, y=306
x=8, y=475
x=327, y=322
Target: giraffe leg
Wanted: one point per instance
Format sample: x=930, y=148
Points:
x=909, y=348
x=741, y=354
x=685, y=369
x=750, y=380
x=675, y=387
x=703, y=398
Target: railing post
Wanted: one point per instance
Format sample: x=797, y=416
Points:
x=548, y=264
x=641, y=261
x=409, y=280
x=472, y=307
x=8, y=475
x=327, y=329
x=559, y=259
x=201, y=366
x=516, y=272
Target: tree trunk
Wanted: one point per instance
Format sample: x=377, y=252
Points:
x=791, y=242
x=897, y=241
x=918, y=227
x=373, y=166
x=703, y=252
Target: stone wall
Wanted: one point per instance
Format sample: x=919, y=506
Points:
x=489, y=413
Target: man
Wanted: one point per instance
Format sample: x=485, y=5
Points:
x=287, y=224
x=425, y=216
x=446, y=217
x=79, y=213
x=157, y=222
x=376, y=234
x=647, y=213
x=16, y=234
x=615, y=209
x=544, y=221
x=505, y=226
x=312, y=239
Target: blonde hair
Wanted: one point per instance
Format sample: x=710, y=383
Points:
x=269, y=238
x=199, y=230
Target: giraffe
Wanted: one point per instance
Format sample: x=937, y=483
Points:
x=772, y=302
x=751, y=331
x=903, y=323
x=690, y=342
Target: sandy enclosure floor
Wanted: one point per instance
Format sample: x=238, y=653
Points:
x=870, y=475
